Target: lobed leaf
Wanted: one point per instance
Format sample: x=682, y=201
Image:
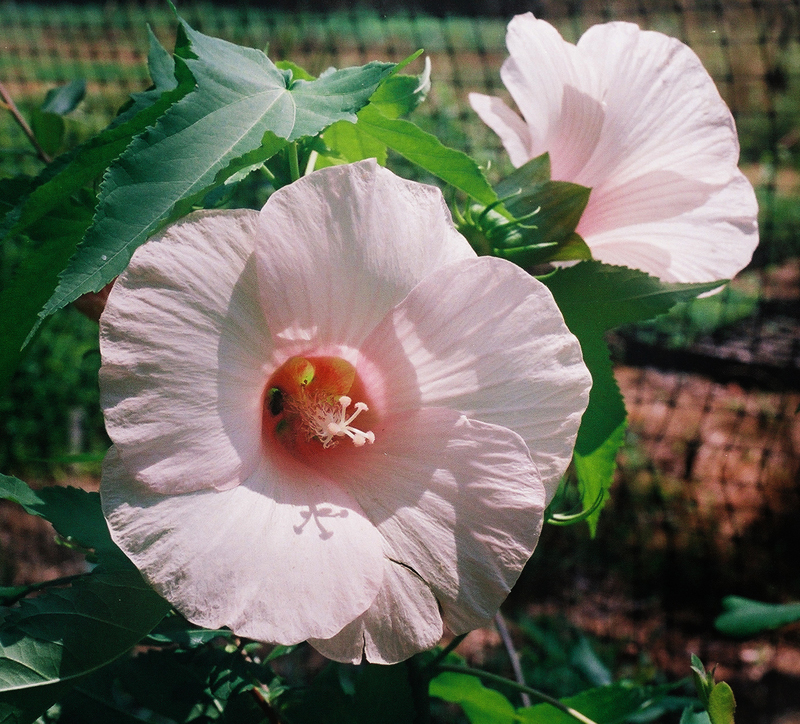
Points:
x=74, y=513
x=243, y=111
x=594, y=298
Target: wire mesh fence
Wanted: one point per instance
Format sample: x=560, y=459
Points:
x=714, y=446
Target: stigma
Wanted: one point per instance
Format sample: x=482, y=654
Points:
x=329, y=423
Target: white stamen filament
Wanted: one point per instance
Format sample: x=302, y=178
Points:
x=328, y=424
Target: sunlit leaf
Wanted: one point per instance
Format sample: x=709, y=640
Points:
x=595, y=298
x=243, y=111
x=425, y=150
x=481, y=705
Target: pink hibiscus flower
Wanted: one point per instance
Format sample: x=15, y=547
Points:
x=634, y=116
x=331, y=420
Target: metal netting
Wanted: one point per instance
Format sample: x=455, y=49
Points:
x=714, y=446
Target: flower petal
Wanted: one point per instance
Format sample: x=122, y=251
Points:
x=457, y=501
x=634, y=116
x=558, y=92
x=283, y=557
x=505, y=123
x=403, y=620
x=712, y=241
x=340, y=247
x=183, y=356
x=484, y=337
x=663, y=111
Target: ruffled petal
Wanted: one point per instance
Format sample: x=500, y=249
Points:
x=457, y=501
x=710, y=242
x=505, y=123
x=282, y=557
x=184, y=344
x=484, y=337
x=340, y=247
x=403, y=620
x=663, y=111
x=557, y=91
x=634, y=116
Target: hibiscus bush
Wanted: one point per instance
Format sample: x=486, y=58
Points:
x=341, y=410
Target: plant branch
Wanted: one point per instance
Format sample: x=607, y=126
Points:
x=513, y=656
x=23, y=124
x=568, y=710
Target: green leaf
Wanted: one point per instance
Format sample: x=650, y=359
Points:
x=554, y=209
x=175, y=629
x=584, y=658
x=400, y=94
x=480, y=704
x=537, y=222
x=517, y=183
x=75, y=514
x=297, y=71
x=243, y=111
x=383, y=694
x=323, y=702
x=604, y=705
x=48, y=128
x=721, y=704
x=68, y=174
x=690, y=716
x=56, y=236
x=348, y=143
x=703, y=681
x=425, y=150
x=595, y=298
x=600, y=297
x=65, y=98
x=745, y=617
x=53, y=640
x=49, y=214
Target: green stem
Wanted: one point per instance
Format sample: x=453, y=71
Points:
x=486, y=676
x=294, y=163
